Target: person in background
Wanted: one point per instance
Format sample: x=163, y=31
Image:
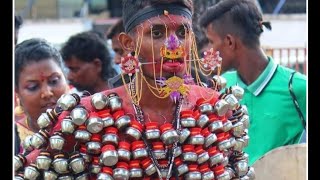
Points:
x=39, y=82
x=18, y=21
x=233, y=28
x=113, y=34
x=88, y=61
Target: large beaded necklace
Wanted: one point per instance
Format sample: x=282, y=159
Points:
x=171, y=152
x=199, y=144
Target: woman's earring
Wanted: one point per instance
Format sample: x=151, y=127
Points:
x=18, y=110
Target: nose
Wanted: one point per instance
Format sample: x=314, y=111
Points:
x=46, y=92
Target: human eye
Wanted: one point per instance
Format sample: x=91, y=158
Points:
x=181, y=33
x=54, y=80
x=32, y=87
x=157, y=34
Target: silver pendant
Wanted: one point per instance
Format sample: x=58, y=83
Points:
x=99, y=101
x=79, y=115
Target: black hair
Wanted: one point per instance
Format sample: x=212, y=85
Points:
x=87, y=46
x=34, y=50
x=131, y=7
x=237, y=17
x=18, y=21
x=115, y=29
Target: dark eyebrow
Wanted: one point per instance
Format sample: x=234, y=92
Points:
x=158, y=26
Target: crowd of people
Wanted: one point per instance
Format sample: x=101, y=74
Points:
x=175, y=111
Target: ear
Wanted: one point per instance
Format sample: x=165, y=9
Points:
x=126, y=42
x=98, y=64
x=230, y=41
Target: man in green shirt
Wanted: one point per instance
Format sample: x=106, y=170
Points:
x=233, y=28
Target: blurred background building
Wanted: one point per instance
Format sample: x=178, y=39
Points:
x=57, y=20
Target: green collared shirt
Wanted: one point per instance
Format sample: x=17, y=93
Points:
x=274, y=120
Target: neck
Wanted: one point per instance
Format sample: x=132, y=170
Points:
x=251, y=58
x=100, y=86
x=32, y=125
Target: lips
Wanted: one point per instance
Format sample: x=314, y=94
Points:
x=173, y=65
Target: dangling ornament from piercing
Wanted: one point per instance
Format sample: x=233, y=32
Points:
x=211, y=59
x=173, y=87
x=188, y=79
x=129, y=64
x=172, y=48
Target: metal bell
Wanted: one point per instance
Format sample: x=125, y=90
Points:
x=196, y=138
x=57, y=141
x=115, y=102
x=148, y=166
x=82, y=176
x=39, y=139
x=209, y=138
x=220, y=173
x=139, y=150
x=207, y=174
x=43, y=121
x=204, y=106
x=184, y=134
x=76, y=163
x=168, y=134
x=49, y=175
x=246, y=140
x=122, y=121
x=106, y=117
x=227, y=125
x=134, y=131
x=109, y=155
x=221, y=107
x=94, y=146
x=245, y=120
x=223, y=141
x=237, y=91
x=181, y=167
x=237, y=129
x=215, y=156
x=99, y=101
x=83, y=151
x=194, y=173
x=31, y=172
x=251, y=174
x=26, y=144
x=19, y=176
x=188, y=153
x=152, y=131
x=82, y=134
x=124, y=152
x=65, y=177
x=239, y=145
x=60, y=163
x=220, y=81
x=232, y=101
x=165, y=171
x=19, y=162
x=121, y=172
x=241, y=167
x=215, y=123
x=68, y=101
x=105, y=174
x=110, y=136
x=95, y=167
x=135, y=169
x=203, y=121
x=67, y=125
x=231, y=172
x=94, y=123
x=44, y=160
x=187, y=119
x=177, y=151
x=79, y=115
x=203, y=155
x=158, y=150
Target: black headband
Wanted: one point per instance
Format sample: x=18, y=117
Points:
x=156, y=10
